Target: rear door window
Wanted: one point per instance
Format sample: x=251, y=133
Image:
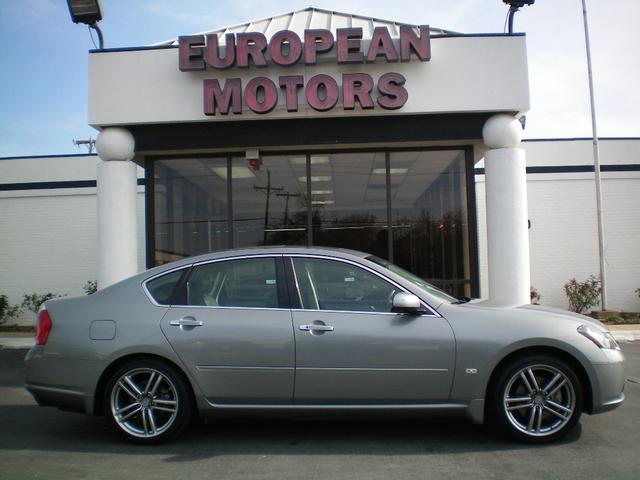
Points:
x=247, y=282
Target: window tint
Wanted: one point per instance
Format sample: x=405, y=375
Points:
x=333, y=285
x=247, y=282
x=162, y=287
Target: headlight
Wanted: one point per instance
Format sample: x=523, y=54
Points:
x=601, y=339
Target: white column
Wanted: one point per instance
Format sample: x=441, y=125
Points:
x=117, y=248
x=507, y=217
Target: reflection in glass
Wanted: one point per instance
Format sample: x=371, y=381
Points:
x=190, y=207
x=430, y=227
x=269, y=205
x=348, y=201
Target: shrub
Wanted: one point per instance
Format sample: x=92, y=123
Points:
x=33, y=301
x=90, y=287
x=638, y=292
x=583, y=295
x=8, y=311
x=535, y=296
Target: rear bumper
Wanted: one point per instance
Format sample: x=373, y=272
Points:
x=61, y=398
x=61, y=383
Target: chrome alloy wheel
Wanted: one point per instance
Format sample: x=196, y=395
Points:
x=539, y=400
x=144, y=402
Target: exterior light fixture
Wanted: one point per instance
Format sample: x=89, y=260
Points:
x=236, y=172
x=85, y=11
x=514, y=6
x=392, y=171
x=316, y=178
x=88, y=12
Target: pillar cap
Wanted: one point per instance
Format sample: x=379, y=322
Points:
x=502, y=131
x=115, y=144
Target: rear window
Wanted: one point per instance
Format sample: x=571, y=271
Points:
x=161, y=288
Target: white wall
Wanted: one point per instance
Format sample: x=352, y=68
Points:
x=48, y=236
x=562, y=209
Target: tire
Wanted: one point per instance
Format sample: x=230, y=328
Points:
x=537, y=399
x=148, y=401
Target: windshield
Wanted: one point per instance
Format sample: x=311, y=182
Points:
x=417, y=281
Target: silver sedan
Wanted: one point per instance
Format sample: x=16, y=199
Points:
x=310, y=331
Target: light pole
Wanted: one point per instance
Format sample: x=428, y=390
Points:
x=596, y=162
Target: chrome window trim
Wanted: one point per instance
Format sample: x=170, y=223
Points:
x=295, y=279
x=433, y=312
x=238, y=257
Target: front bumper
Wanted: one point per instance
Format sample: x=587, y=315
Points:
x=609, y=382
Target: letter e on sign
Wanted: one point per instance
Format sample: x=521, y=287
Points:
x=190, y=53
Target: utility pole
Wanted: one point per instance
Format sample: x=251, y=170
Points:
x=596, y=162
x=268, y=189
x=287, y=195
x=90, y=144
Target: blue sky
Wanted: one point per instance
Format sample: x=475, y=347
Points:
x=43, y=73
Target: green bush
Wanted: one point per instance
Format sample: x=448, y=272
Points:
x=90, y=287
x=33, y=301
x=8, y=311
x=535, y=296
x=583, y=295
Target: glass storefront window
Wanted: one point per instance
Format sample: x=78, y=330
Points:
x=270, y=201
x=336, y=199
x=349, y=201
x=190, y=200
x=429, y=216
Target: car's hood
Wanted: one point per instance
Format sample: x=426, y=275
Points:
x=564, y=313
x=527, y=311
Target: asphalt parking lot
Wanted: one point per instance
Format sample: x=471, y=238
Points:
x=46, y=443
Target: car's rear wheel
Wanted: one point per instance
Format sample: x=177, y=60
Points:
x=148, y=401
x=538, y=399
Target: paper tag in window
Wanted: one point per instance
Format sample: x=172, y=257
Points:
x=349, y=279
x=270, y=282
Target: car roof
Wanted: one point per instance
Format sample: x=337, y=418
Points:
x=263, y=250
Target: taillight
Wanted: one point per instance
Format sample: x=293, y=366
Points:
x=43, y=327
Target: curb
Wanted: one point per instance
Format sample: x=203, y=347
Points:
x=8, y=343
x=626, y=335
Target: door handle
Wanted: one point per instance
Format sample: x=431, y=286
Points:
x=316, y=328
x=186, y=322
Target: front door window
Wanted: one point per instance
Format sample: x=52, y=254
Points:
x=339, y=286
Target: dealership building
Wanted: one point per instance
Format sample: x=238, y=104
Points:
x=323, y=129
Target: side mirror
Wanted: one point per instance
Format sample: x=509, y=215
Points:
x=407, y=303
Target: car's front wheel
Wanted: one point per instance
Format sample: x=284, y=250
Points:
x=148, y=401
x=538, y=399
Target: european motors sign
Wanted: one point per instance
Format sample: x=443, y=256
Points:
x=285, y=48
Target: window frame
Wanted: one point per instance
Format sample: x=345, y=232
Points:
x=296, y=296
x=282, y=293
